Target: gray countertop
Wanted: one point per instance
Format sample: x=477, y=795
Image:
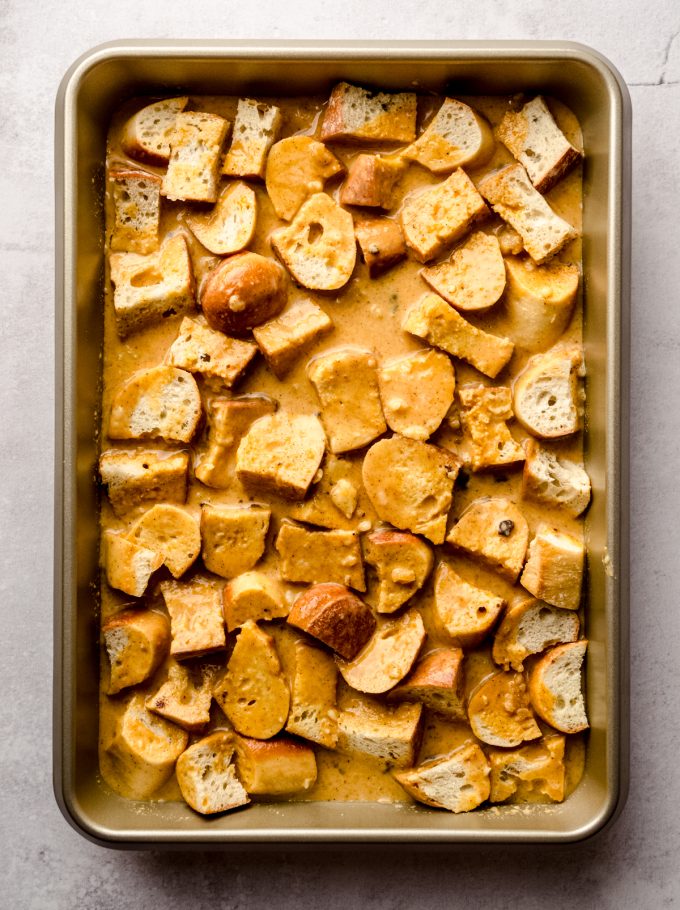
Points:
x=46, y=864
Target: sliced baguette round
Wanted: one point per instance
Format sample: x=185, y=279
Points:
x=172, y=531
x=499, y=711
x=335, y=616
x=230, y=226
x=545, y=395
x=161, y=402
x=473, y=278
x=538, y=301
x=298, y=167
x=457, y=136
x=555, y=687
x=146, y=135
x=530, y=627
x=458, y=782
x=207, y=777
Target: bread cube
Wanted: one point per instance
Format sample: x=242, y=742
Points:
x=500, y=713
x=554, y=481
x=483, y=413
x=135, y=479
x=529, y=627
x=196, y=623
x=207, y=777
x=440, y=215
x=455, y=136
x=230, y=226
x=195, y=147
x=233, y=538
x=458, y=782
x=437, y=682
x=136, y=642
x=381, y=241
x=495, y=532
x=185, y=696
x=355, y=113
x=388, y=655
x=253, y=692
x=136, y=209
x=402, y=563
x=554, y=568
x=537, y=142
x=465, y=612
x=416, y=392
x=546, y=396
x=282, y=340
x=370, y=181
x=537, y=768
x=539, y=301
x=143, y=749
x=390, y=735
x=473, y=278
x=146, y=135
x=281, y=453
x=129, y=566
x=170, y=531
x=276, y=767
x=320, y=556
x=318, y=247
x=410, y=484
x=313, y=713
x=148, y=289
x=253, y=596
x=297, y=168
x=555, y=687
x=513, y=197
x=433, y=320
x=339, y=500
x=200, y=349
x=256, y=129
x=160, y=402
x=346, y=383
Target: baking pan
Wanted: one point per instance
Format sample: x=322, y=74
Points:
x=91, y=90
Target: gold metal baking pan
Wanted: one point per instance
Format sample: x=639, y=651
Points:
x=91, y=90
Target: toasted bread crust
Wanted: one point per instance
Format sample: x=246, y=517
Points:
x=335, y=616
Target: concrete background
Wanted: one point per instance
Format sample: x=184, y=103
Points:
x=45, y=864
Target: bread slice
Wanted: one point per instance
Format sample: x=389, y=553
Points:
x=458, y=782
x=416, y=392
x=537, y=142
x=318, y=247
x=529, y=627
x=129, y=566
x=171, y=531
x=473, y=278
x=554, y=567
x=410, y=484
x=195, y=610
x=388, y=655
x=148, y=289
x=483, y=412
x=381, y=242
x=465, y=612
x=228, y=422
x=136, y=208
x=255, y=596
x=499, y=711
x=256, y=128
x=537, y=768
x=207, y=777
x=354, y=113
x=370, y=181
x=234, y=537
x=346, y=384
x=195, y=147
x=285, y=338
x=555, y=687
x=230, y=226
x=146, y=135
x=402, y=563
x=457, y=136
x=253, y=692
x=554, y=481
x=186, y=695
x=335, y=616
x=514, y=198
x=139, y=478
x=387, y=734
x=275, y=768
x=436, y=682
x=160, y=402
x=546, y=396
x=433, y=320
x=339, y=500
x=538, y=301
x=440, y=215
x=495, y=532
x=281, y=453
x=297, y=168
x=200, y=349
x=136, y=642
x=313, y=713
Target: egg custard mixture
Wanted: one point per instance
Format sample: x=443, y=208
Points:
x=342, y=534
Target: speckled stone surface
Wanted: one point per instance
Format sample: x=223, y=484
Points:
x=44, y=863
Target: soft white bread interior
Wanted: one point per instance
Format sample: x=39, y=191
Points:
x=160, y=402
x=207, y=776
x=358, y=113
x=546, y=396
x=555, y=687
x=256, y=128
x=458, y=782
x=554, y=481
x=136, y=206
x=389, y=734
x=529, y=627
x=129, y=565
x=140, y=478
x=456, y=136
x=554, y=567
x=230, y=226
x=195, y=147
x=146, y=135
x=137, y=642
x=172, y=531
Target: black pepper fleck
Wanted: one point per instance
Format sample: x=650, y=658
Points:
x=505, y=527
